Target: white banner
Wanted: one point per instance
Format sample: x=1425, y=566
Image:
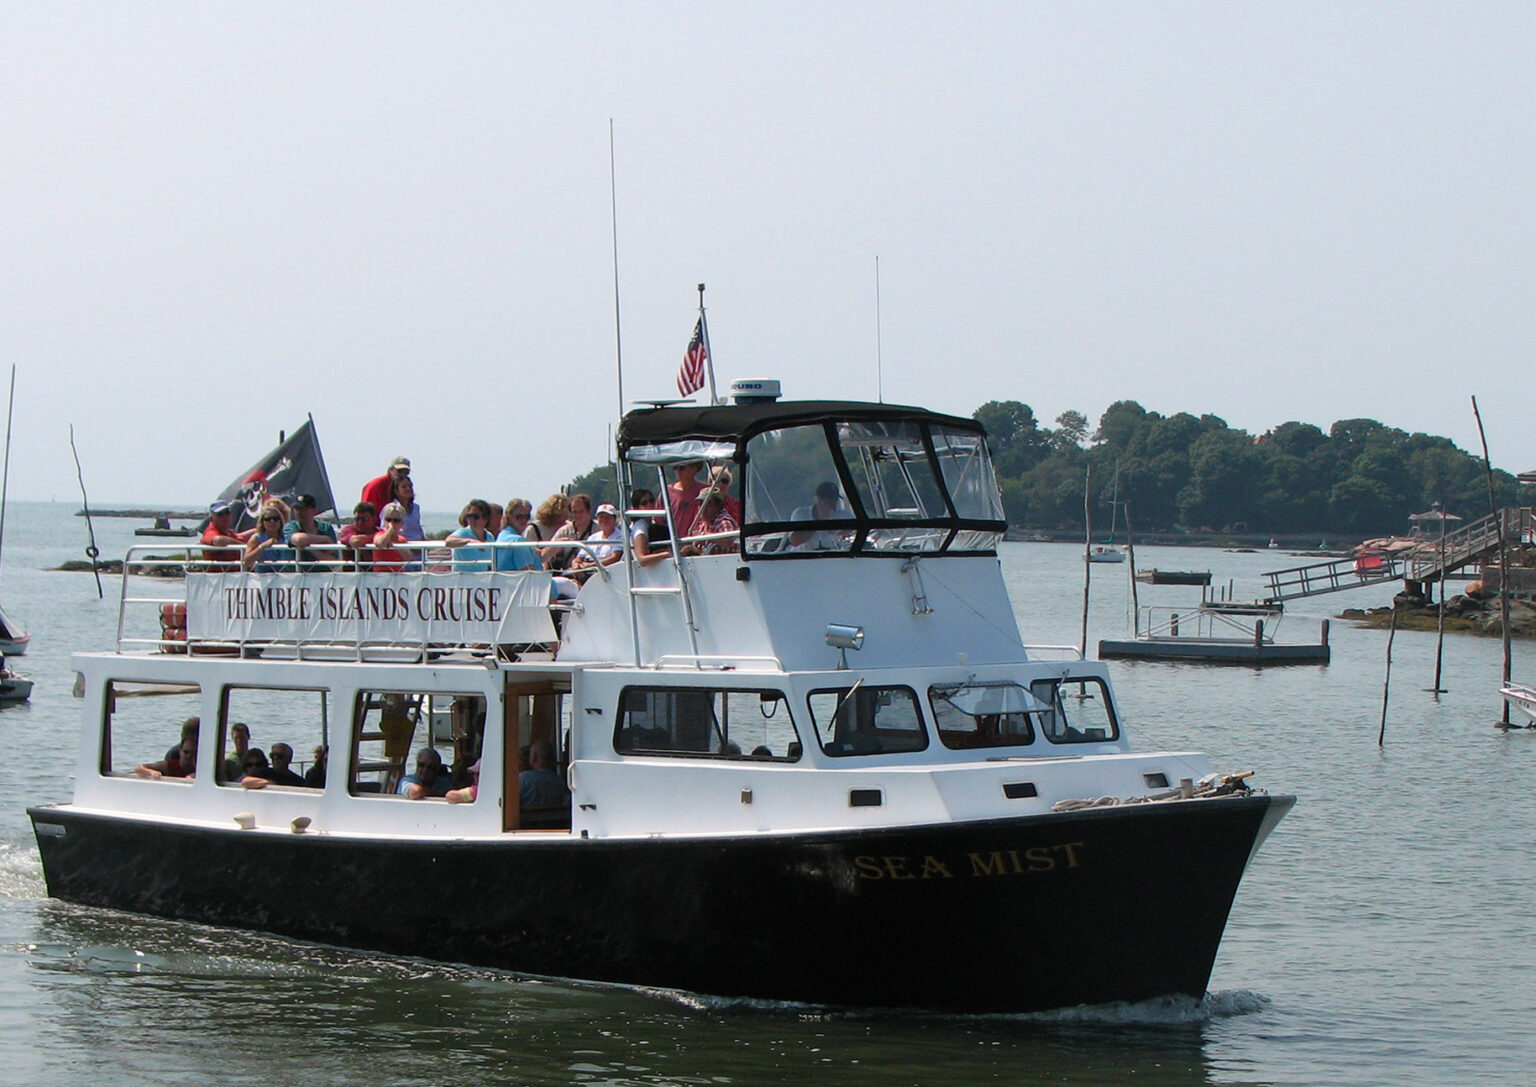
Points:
x=440, y=608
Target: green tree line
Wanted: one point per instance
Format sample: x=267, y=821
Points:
x=1181, y=472
x=1360, y=478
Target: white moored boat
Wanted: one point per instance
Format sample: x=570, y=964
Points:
x=822, y=767
x=1521, y=698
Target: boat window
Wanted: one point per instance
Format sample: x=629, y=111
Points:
x=1075, y=711
x=733, y=724
x=277, y=735
x=391, y=729
x=866, y=720
x=972, y=486
x=144, y=725
x=785, y=469
x=984, y=714
x=894, y=479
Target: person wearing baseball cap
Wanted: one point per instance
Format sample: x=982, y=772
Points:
x=607, y=541
x=306, y=530
x=222, y=544
x=381, y=491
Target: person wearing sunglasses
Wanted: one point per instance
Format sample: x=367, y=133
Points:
x=474, y=527
x=385, y=555
x=358, y=536
x=265, y=551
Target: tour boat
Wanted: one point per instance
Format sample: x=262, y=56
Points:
x=808, y=758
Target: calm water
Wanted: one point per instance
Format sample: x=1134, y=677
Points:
x=1385, y=934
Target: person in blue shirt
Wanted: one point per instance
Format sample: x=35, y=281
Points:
x=430, y=778
x=519, y=514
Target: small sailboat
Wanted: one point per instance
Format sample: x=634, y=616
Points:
x=13, y=636
x=1108, y=551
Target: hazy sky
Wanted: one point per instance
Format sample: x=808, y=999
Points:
x=217, y=218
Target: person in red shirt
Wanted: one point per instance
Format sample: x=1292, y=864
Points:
x=381, y=491
x=222, y=544
x=386, y=557
x=358, y=536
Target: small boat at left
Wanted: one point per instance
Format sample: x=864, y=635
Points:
x=13, y=687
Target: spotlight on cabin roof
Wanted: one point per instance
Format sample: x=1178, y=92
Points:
x=754, y=390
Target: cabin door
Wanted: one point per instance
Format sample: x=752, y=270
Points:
x=531, y=713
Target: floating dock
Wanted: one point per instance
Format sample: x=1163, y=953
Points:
x=1214, y=638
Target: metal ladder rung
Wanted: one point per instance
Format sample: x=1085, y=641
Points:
x=656, y=590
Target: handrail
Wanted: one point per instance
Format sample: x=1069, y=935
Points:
x=155, y=560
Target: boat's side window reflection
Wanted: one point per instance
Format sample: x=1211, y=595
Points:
x=271, y=736
x=151, y=730
x=1075, y=711
x=732, y=724
x=983, y=715
x=867, y=720
x=394, y=730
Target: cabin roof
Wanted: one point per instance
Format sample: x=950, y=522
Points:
x=647, y=426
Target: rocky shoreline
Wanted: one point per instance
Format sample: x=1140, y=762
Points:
x=1463, y=614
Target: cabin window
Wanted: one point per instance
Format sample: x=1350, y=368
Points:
x=894, y=479
x=975, y=715
x=972, y=484
x=143, y=726
x=1075, y=711
x=280, y=736
x=785, y=468
x=393, y=728
x=732, y=724
x=865, y=720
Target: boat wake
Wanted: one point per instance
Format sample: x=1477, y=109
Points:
x=1159, y=1011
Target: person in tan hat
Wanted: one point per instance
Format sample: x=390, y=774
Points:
x=381, y=491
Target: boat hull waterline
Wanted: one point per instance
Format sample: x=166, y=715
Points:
x=1119, y=903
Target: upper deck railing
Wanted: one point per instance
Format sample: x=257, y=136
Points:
x=427, y=602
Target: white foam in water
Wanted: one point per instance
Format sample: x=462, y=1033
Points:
x=1161, y=1011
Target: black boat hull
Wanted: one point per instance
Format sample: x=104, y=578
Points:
x=1118, y=903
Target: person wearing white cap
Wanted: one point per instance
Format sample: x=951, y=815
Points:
x=381, y=491
x=606, y=541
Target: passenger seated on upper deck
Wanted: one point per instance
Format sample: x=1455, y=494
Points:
x=306, y=531
x=512, y=559
x=547, y=520
x=474, y=520
x=430, y=778
x=720, y=480
x=826, y=506
x=578, y=527
x=541, y=783
x=607, y=543
x=358, y=536
x=386, y=556
x=225, y=543
x=184, y=765
x=648, y=535
x=264, y=551
x=713, y=519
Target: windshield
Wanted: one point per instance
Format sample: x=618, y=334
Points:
x=984, y=715
x=869, y=486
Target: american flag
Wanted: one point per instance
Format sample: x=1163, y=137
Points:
x=690, y=375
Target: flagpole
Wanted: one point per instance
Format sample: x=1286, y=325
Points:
x=709, y=356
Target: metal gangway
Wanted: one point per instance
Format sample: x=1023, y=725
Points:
x=1333, y=576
